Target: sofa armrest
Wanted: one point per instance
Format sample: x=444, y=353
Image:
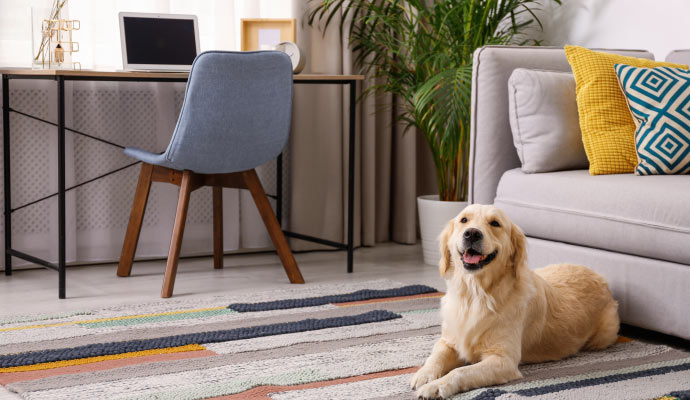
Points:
x=491, y=142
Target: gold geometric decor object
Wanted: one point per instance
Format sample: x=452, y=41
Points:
x=53, y=42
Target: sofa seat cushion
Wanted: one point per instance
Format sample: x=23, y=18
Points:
x=647, y=216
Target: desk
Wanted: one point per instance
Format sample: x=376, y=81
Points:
x=60, y=76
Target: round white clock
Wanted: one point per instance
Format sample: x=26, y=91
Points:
x=295, y=53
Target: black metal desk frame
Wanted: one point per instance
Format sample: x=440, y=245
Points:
x=60, y=79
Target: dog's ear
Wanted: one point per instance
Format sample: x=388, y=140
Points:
x=519, y=256
x=446, y=264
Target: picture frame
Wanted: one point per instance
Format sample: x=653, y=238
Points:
x=262, y=33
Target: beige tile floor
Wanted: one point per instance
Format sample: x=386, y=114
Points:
x=96, y=286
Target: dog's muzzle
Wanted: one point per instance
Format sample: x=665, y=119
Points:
x=473, y=257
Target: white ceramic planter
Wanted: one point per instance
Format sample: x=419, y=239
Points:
x=433, y=217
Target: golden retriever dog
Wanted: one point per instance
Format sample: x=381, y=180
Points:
x=497, y=313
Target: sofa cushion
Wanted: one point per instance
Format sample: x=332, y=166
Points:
x=641, y=215
x=544, y=121
x=658, y=99
x=607, y=126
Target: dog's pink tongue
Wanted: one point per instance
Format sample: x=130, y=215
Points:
x=471, y=258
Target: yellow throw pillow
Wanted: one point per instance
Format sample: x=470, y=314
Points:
x=608, y=130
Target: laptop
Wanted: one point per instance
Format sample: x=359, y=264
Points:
x=158, y=42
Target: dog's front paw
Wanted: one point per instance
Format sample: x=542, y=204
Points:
x=423, y=376
x=429, y=391
x=438, y=389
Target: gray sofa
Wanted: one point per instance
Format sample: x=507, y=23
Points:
x=634, y=230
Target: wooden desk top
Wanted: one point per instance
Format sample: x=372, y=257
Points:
x=50, y=73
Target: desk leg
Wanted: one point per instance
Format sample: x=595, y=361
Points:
x=351, y=180
x=61, y=186
x=6, y=171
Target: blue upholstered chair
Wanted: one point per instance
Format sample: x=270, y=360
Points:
x=235, y=117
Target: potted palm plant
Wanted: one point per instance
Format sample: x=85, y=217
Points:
x=421, y=52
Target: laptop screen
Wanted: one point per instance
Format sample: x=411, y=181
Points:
x=162, y=41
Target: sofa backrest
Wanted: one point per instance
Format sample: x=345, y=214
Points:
x=491, y=143
x=679, y=56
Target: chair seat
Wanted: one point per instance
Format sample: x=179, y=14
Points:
x=149, y=158
x=640, y=215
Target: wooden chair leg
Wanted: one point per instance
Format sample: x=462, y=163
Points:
x=178, y=231
x=254, y=185
x=217, y=227
x=136, y=217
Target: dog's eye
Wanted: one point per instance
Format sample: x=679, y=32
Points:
x=463, y=220
x=494, y=223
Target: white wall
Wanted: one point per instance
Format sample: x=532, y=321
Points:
x=655, y=25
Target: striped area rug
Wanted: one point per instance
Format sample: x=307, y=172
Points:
x=340, y=341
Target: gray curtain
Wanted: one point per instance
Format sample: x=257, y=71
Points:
x=392, y=167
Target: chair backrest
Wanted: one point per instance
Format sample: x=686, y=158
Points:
x=236, y=112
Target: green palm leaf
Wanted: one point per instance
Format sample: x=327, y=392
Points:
x=421, y=52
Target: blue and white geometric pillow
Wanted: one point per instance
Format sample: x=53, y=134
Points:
x=659, y=100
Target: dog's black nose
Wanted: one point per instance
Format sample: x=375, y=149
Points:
x=472, y=234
